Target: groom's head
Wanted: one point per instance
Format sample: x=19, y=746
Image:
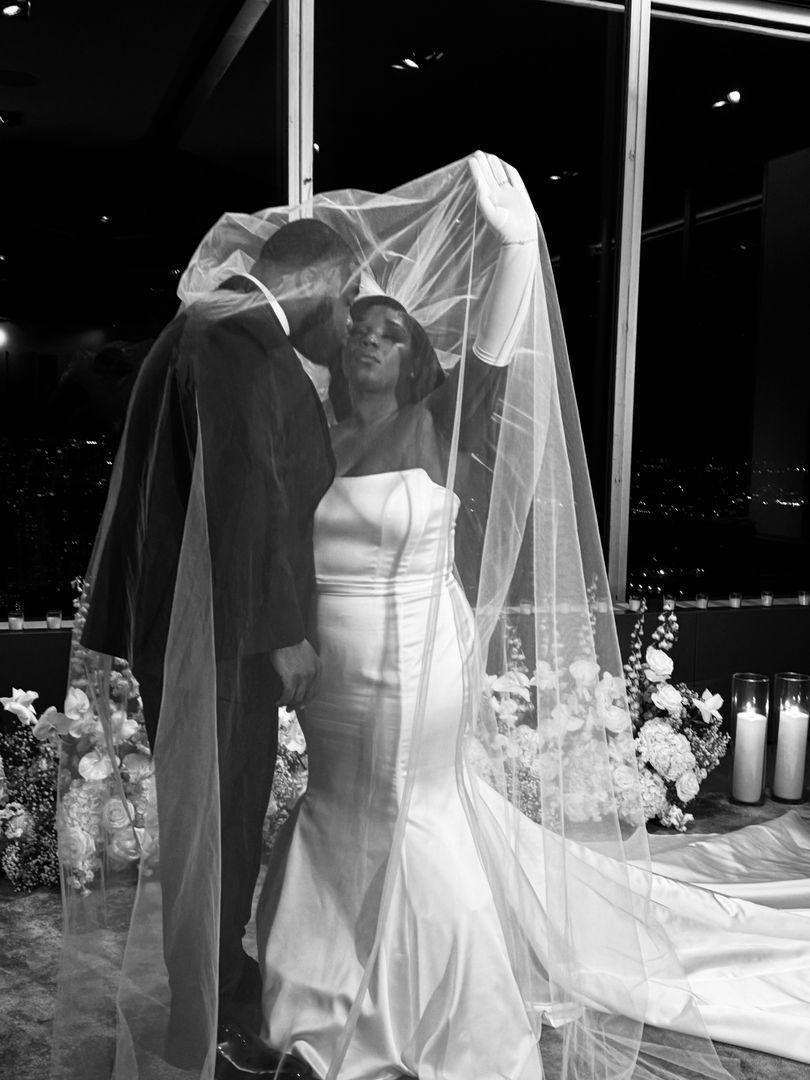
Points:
x=314, y=275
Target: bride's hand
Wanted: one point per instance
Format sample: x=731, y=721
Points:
x=503, y=199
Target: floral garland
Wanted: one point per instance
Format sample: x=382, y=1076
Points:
x=28, y=771
x=678, y=733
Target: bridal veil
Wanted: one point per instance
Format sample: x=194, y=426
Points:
x=545, y=761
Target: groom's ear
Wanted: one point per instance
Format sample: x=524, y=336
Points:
x=309, y=281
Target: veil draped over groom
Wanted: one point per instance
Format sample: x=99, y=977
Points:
x=545, y=764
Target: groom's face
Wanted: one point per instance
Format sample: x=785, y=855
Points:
x=324, y=328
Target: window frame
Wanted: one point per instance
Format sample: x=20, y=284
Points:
x=765, y=17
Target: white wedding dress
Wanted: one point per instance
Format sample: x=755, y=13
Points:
x=443, y=1003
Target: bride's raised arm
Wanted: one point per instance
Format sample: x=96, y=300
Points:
x=507, y=209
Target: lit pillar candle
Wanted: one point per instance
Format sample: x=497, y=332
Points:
x=749, y=756
x=791, y=748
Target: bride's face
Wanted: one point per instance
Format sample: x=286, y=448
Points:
x=379, y=344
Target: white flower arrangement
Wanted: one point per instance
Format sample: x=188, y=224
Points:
x=677, y=733
x=575, y=741
x=27, y=796
x=563, y=740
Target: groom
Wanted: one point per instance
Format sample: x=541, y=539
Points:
x=229, y=369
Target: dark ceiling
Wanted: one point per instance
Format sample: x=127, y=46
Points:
x=122, y=118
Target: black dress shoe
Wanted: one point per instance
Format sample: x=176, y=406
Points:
x=242, y=1056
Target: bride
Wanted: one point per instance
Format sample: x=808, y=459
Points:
x=458, y=895
x=386, y=947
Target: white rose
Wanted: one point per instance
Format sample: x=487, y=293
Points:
x=625, y=778
x=124, y=846
x=659, y=664
x=75, y=845
x=95, y=765
x=584, y=672
x=667, y=698
x=687, y=786
x=615, y=719
x=117, y=814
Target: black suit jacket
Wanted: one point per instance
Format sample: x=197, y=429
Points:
x=222, y=377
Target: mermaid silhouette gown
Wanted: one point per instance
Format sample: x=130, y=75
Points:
x=442, y=1002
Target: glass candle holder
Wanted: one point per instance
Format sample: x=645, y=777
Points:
x=634, y=603
x=804, y=597
x=669, y=602
x=766, y=598
x=53, y=619
x=735, y=599
x=791, y=699
x=16, y=617
x=702, y=601
x=749, y=709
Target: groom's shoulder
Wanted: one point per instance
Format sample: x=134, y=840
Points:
x=229, y=311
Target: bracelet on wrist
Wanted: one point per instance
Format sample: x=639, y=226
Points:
x=518, y=243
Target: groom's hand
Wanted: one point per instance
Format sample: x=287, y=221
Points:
x=299, y=669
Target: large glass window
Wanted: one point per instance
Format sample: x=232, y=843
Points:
x=118, y=166
x=722, y=421
x=540, y=84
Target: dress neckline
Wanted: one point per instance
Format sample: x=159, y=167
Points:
x=397, y=472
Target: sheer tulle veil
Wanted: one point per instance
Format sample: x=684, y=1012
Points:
x=545, y=764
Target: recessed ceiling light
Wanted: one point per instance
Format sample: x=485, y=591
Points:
x=20, y=9
x=410, y=63
x=104, y=219
x=555, y=176
x=719, y=105
x=734, y=97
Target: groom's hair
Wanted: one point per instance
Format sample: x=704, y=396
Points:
x=305, y=243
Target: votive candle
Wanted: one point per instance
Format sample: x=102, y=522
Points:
x=792, y=693
x=735, y=599
x=702, y=601
x=634, y=603
x=766, y=599
x=749, y=756
x=791, y=748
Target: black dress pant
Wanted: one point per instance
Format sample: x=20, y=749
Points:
x=247, y=743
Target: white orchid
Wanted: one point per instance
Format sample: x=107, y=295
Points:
x=511, y=682
x=709, y=705
x=20, y=704
x=668, y=699
x=95, y=765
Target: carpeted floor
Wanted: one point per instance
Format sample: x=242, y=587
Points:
x=29, y=945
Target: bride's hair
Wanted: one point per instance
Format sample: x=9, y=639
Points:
x=424, y=373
